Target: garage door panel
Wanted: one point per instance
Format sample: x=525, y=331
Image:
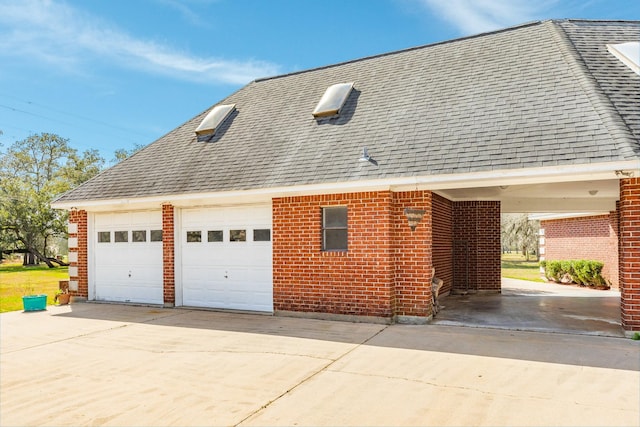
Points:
x=128, y=271
x=145, y=274
x=227, y=274
x=110, y=277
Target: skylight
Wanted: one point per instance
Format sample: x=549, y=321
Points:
x=332, y=100
x=214, y=119
x=628, y=53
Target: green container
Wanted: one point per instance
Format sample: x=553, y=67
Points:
x=34, y=302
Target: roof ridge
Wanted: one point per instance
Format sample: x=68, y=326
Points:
x=611, y=21
x=601, y=103
x=395, y=52
x=441, y=42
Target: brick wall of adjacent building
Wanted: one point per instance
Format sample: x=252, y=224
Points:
x=384, y=272
x=593, y=238
x=443, y=241
x=79, y=217
x=476, y=246
x=629, y=253
x=168, y=254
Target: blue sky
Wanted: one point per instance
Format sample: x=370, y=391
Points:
x=112, y=74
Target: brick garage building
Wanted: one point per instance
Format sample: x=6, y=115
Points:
x=592, y=237
x=335, y=192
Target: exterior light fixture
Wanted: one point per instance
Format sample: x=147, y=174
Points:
x=414, y=216
x=593, y=192
x=626, y=174
x=365, y=157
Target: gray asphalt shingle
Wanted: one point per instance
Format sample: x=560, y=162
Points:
x=541, y=94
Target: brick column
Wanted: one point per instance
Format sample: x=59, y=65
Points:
x=413, y=253
x=442, y=212
x=629, y=253
x=476, y=246
x=78, y=256
x=168, y=255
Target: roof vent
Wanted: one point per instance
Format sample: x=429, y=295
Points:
x=332, y=100
x=216, y=116
x=628, y=53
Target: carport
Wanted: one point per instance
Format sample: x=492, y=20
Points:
x=521, y=307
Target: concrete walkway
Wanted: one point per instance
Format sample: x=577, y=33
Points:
x=540, y=307
x=100, y=364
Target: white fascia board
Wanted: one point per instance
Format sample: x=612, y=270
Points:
x=568, y=173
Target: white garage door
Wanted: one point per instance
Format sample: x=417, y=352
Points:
x=226, y=258
x=128, y=257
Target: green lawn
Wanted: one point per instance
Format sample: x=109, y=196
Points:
x=515, y=266
x=17, y=280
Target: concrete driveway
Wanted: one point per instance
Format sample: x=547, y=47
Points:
x=101, y=364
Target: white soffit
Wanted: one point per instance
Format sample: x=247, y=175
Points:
x=214, y=119
x=332, y=100
x=628, y=53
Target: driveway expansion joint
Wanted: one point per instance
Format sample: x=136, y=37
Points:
x=312, y=375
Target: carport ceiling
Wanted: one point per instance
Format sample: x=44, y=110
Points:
x=547, y=197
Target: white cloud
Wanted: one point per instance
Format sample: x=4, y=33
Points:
x=66, y=37
x=477, y=16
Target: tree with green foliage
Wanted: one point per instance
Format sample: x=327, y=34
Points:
x=33, y=172
x=123, y=153
x=520, y=232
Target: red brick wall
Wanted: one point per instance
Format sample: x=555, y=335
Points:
x=412, y=255
x=354, y=282
x=476, y=231
x=592, y=237
x=79, y=217
x=443, y=241
x=629, y=253
x=383, y=273
x=168, y=255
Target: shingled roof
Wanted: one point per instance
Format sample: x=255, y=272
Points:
x=541, y=94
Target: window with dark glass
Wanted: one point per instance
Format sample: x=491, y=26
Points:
x=334, y=228
x=262, y=235
x=214, y=236
x=155, y=236
x=104, y=236
x=237, y=235
x=120, y=236
x=139, y=236
x=194, y=236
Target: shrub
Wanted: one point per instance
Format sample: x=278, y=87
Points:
x=588, y=272
x=582, y=272
x=553, y=270
x=567, y=267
